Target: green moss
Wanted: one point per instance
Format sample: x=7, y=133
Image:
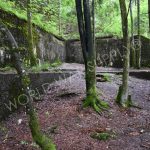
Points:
x=104, y=104
x=24, y=29
x=43, y=141
x=26, y=81
x=107, y=77
x=95, y=103
x=127, y=103
x=118, y=98
x=101, y=136
x=56, y=63
x=92, y=96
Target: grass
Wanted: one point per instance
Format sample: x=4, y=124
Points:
x=46, y=66
x=42, y=67
x=7, y=68
x=37, y=18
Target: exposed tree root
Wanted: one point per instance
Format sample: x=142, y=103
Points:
x=131, y=104
x=96, y=104
x=125, y=103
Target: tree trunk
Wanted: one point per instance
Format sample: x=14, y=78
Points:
x=30, y=36
x=122, y=97
x=149, y=13
x=139, y=38
x=133, y=57
x=44, y=142
x=93, y=21
x=89, y=54
x=60, y=17
x=91, y=59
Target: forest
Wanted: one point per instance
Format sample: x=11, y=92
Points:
x=74, y=74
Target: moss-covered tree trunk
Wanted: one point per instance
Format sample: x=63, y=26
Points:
x=122, y=97
x=44, y=142
x=32, y=57
x=89, y=54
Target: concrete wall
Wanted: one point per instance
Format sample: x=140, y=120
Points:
x=105, y=48
x=48, y=47
x=145, y=53
x=109, y=51
x=10, y=87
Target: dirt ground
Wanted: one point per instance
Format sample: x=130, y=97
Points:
x=69, y=125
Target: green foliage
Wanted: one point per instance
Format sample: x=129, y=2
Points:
x=101, y=136
x=56, y=63
x=42, y=67
x=7, y=68
x=51, y=14
x=37, y=18
x=46, y=66
x=104, y=136
x=107, y=77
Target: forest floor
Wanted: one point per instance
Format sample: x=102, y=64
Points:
x=70, y=126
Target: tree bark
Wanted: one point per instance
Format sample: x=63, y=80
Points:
x=60, y=17
x=89, y=54
x=122, y=97
x=93, y=21
x=30, y=35
x=133, y=57
x=44, y=142
x=138, y=63
x=149, y=13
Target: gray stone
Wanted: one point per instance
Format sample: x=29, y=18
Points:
x=39, y=85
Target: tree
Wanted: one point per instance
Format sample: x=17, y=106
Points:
x=133, y=57
x=93, y=21
x=89, y=55
x=123, y=97
x=59, y=17
x=138, y=63
x=43, y=141
x=30, y=35
x=149, y=13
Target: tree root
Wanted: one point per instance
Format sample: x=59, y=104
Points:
x=131, y=104
x=96, y=104
x=126, y=104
